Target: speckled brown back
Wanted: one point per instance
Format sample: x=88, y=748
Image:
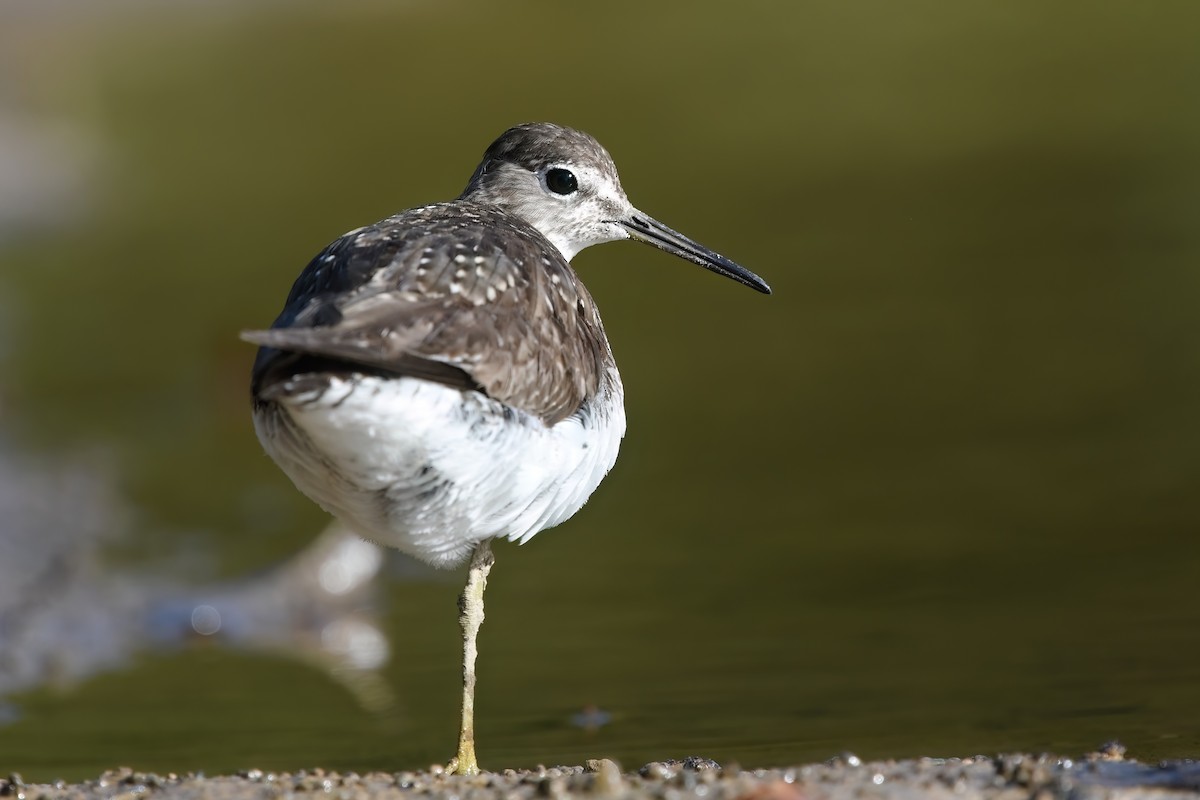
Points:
x=464, y=294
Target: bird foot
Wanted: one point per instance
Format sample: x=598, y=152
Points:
x=463, y=764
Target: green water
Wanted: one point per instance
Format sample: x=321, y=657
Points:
x=936, y=496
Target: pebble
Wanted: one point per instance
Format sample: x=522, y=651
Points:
x=608, y=782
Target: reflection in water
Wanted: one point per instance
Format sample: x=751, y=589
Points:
x=318, y=606
x=64, y=617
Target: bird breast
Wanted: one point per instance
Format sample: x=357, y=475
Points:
x=431, y=469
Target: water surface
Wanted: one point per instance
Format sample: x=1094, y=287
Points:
x=936, y=496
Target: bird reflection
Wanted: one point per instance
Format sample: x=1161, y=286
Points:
x=65, y=616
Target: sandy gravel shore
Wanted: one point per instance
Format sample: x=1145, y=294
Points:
x=1099, y=775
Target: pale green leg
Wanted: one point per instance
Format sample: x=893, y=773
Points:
x=470, y=617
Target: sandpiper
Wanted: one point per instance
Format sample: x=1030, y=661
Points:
x=442, y=378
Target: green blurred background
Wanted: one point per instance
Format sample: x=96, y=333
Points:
x=936, y=496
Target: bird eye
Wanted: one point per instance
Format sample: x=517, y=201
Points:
x=561, y=181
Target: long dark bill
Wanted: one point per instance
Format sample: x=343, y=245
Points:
x=651, y=231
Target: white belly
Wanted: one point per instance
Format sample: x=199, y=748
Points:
x=433, y=470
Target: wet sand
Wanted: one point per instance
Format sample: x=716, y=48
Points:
x=1104, y=774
